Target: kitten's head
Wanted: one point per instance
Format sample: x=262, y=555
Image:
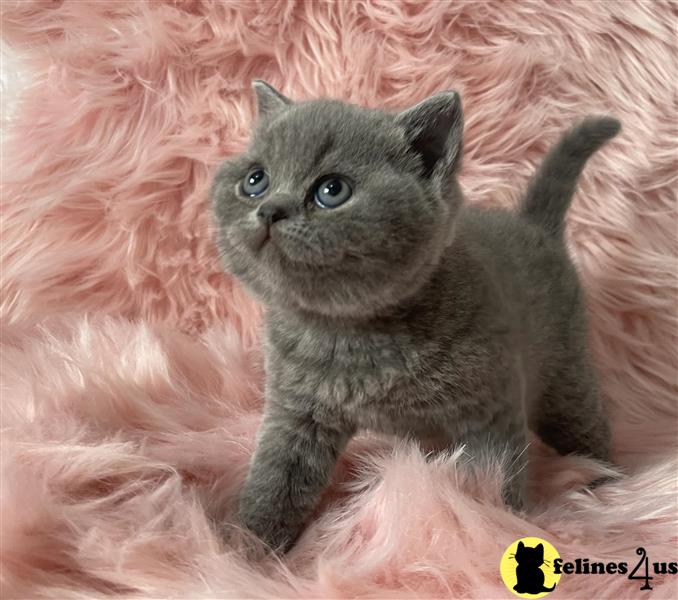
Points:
x=339, y=210
x=527, y=556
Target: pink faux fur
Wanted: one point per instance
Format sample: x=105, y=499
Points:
x=131, y=375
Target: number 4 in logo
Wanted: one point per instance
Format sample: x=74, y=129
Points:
x=643, y=561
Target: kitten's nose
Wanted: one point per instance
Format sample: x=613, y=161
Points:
x=270, y=212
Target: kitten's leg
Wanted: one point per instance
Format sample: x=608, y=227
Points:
x=292, y=463
x=511, y=445
x=570, y=416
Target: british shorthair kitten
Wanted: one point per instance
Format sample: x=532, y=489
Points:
x=393, y=306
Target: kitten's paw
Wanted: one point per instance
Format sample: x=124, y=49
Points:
x=272, y=529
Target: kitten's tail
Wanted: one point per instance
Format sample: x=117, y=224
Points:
x=551, y=189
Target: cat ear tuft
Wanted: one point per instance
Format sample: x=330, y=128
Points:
x=269, y=100
x=434, y=128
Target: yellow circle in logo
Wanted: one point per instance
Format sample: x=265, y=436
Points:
x=527, y=568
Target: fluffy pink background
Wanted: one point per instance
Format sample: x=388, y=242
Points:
x=131, y=376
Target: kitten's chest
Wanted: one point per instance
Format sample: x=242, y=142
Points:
x=347, y=372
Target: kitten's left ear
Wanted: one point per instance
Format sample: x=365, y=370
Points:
x=269, y=100
x=434, y=128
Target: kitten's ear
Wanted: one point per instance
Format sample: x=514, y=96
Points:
x=269, y=100
x=521, y=546
x=540, y=550
x=434, y=128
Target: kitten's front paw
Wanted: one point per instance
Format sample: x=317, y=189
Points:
x=270, y=527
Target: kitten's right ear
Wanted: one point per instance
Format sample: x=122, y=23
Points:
x=269, y=100
x=521, y=546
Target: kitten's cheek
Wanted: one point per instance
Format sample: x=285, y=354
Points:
x=243, y=239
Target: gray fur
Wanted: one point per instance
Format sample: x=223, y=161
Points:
x=403, y=311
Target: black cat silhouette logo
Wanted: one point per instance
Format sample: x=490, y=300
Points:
x=527, y=568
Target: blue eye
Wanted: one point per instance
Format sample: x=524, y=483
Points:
x=332, y=192
x=255, y=182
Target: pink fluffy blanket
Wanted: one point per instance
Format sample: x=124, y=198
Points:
x=131, y=375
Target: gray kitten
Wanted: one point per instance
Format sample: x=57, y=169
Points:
x=392, y=306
